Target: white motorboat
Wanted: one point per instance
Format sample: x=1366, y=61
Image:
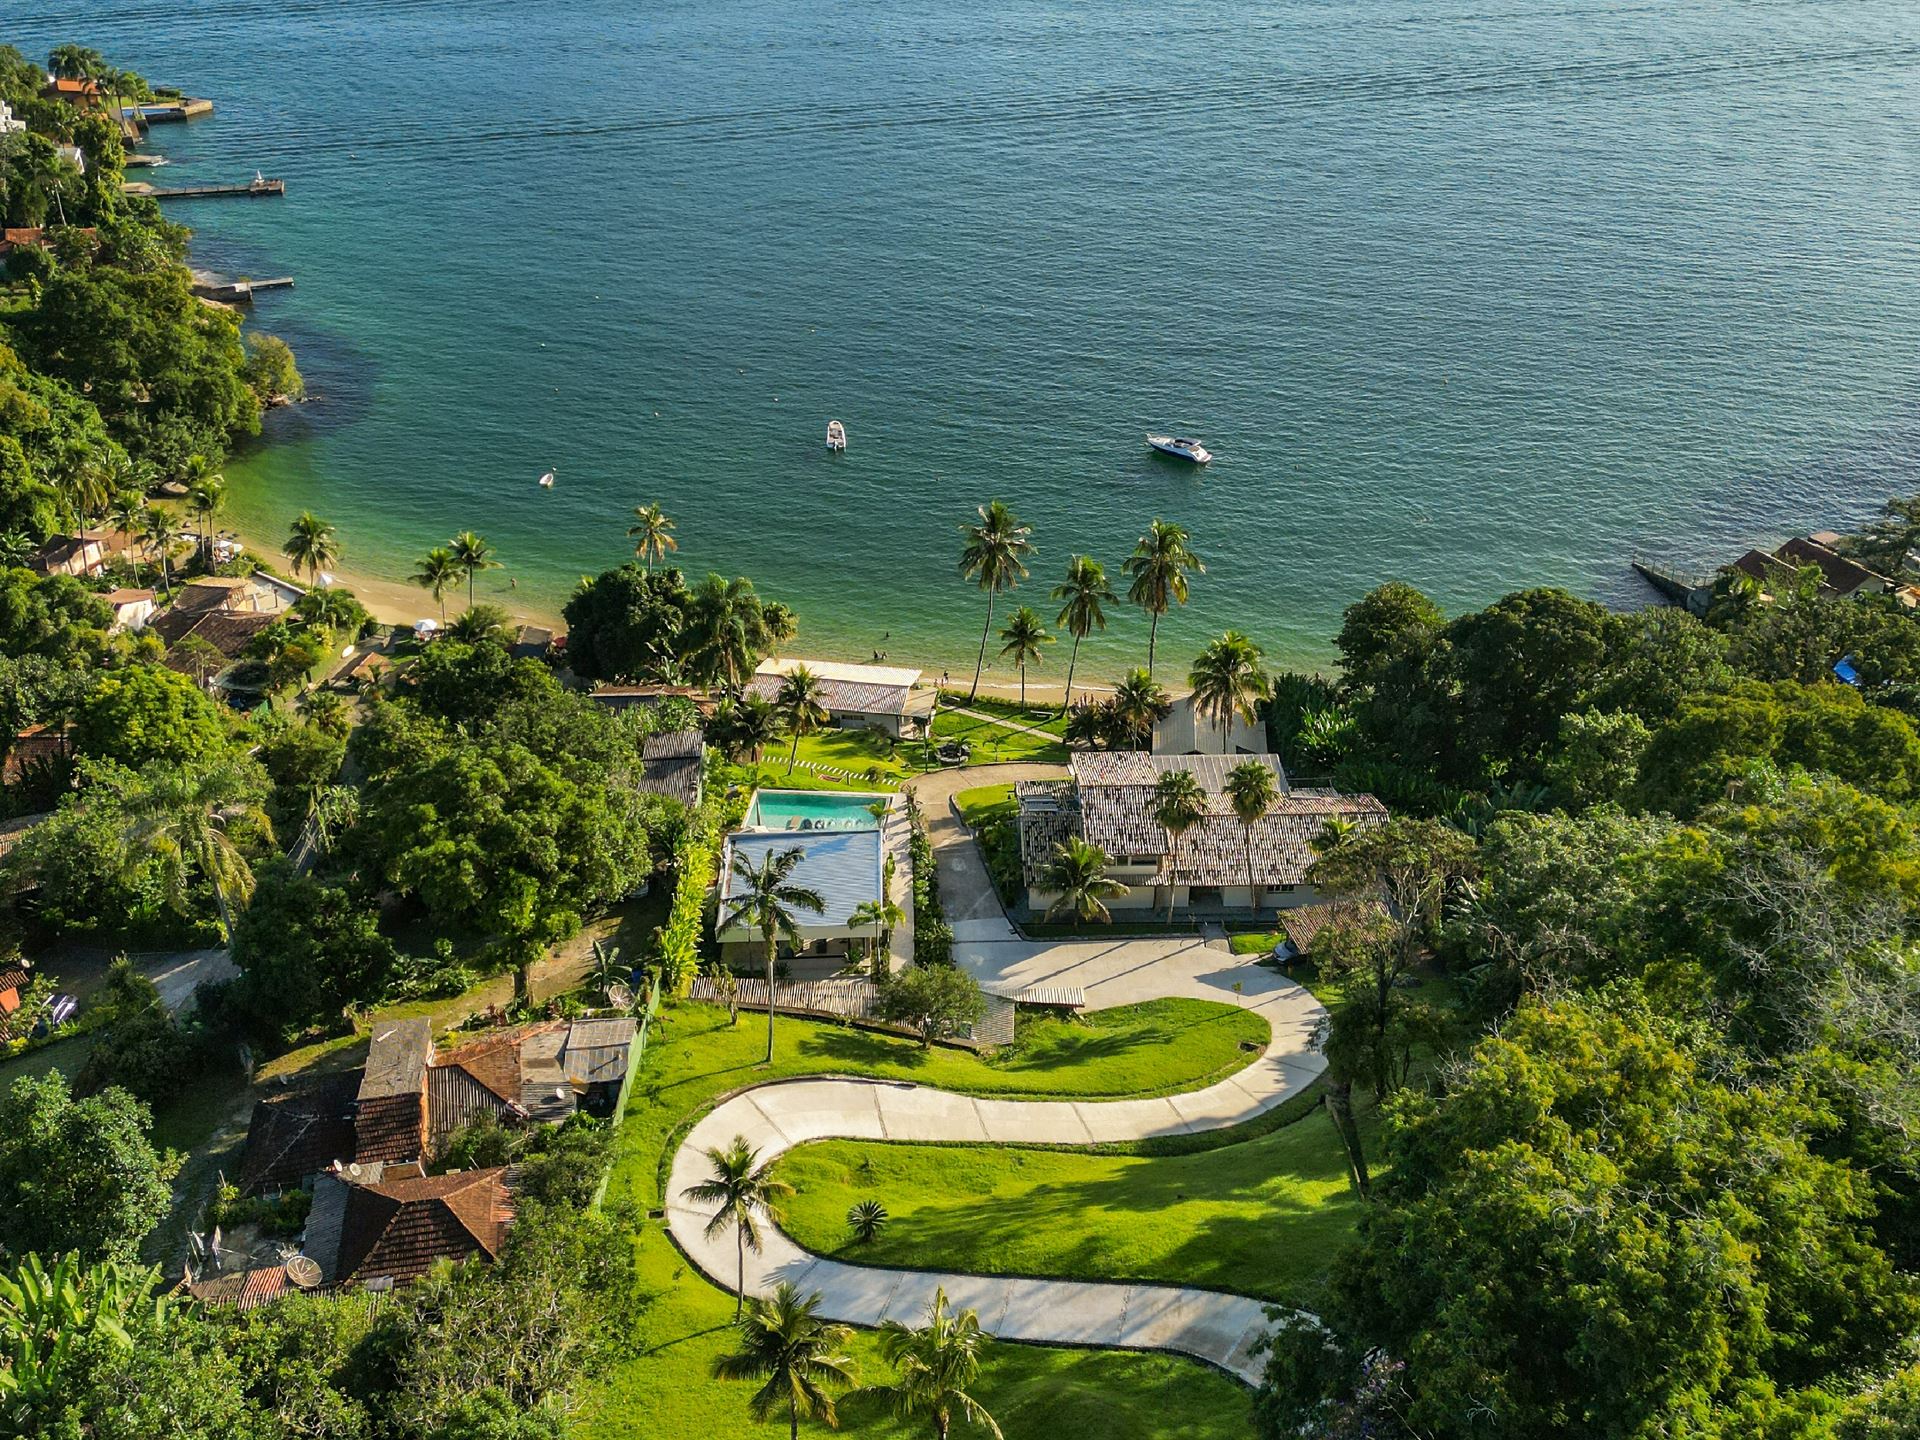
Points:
x=836, y=435
x=1185, y=449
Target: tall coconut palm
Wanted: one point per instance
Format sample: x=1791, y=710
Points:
x=438, y=572
x=1086, y=593
x=312, y=545
x=744, y=728
x=1078, y=877
x=1251, y=788
x=992, y=556
x=1179, y=804
x=652, y=534
x=783, y=1342
x=163, y=532
x=763, y=899
x=182, y=816
x=729, y=631
x=782, y=626
x=798, y=705
x=206, y=498
x=1228, y=682
x=87, y=488
x=742, y=1190
x=1025, y=634
x=883, y=917
x=1139, y=703
x=938, y=1365
x=1160, y=564
x=473, y=554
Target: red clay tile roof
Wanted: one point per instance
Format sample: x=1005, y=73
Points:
x=397, y=1229
x=390, y=1128
x=242, y=1289
x=228, y=631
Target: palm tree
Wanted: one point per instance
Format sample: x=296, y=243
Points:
x=798, y=705
x=181, y=815
x=163, y=532
x=473, y=554
x=606, y=967
x=205, y=501
x=765, y=902
x=127, y=515
x=1025, y=634
x=1228, y=682
x=1139, y=703
x=991, y=555
x=937, y=1364
x=1078, y=877
x=798, y=1354
x=1159, y=565
x=652, y=534
x=1086, y=593
x=1179, y=804
x=729, y=630
x=312, y=545
x=437, y=572
x=743, y=728
x=480, y=625
x=16, y=548
x=884, y=916
x=782, y=625
x=1251, y=788
x=740, y=1187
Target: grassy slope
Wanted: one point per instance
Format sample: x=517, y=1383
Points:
x=993, y=743
x=694, y=1057
x=1263, y=1217
x=984, y=803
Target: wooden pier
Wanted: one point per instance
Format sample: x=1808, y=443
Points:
x=254, y=189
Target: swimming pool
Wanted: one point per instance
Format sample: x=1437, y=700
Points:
x=812, y=810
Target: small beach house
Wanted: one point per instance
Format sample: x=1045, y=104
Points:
x=858, y=697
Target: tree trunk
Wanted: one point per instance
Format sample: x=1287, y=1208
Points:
x=793, y=1418
x=1253, y=894
x=769, y=995
x=1340, y=1111
x=794, y=753
x=981, y=659
x=740, y=1250
x=1153, y=639
x=1175, y=866
x=1066, y=701
x=1023, y=686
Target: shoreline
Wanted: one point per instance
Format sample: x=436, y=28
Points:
x=395, y=602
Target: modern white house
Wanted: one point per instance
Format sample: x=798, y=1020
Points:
x=9, y=123
x=858, y=697
x=1109, y=803
x=844, y=858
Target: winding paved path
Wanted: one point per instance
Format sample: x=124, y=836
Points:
x=1218, y=1328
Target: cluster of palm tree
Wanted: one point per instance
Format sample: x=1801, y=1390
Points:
x=445, y=566
x=798, y=1356
x=993, y=553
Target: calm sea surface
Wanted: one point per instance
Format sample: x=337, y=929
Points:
x=1473, y=295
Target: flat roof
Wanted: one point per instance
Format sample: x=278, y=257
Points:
x=842, y=866
x=884, y=675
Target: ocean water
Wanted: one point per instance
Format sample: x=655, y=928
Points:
x=1472, y=293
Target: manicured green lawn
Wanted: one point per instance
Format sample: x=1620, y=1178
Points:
x=1264, y=1217
x=856, y=752
x=994, y=743
x=1258, y=942
x=694, y=1056
x=984, y=803
x=1035, y=716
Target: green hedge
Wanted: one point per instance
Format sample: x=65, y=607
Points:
x=694, y=862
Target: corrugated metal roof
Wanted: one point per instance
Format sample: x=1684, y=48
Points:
x=842, y=865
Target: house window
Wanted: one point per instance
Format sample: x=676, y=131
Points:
x=1200, y=897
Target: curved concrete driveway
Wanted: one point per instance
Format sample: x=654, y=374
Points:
x=773, y=1118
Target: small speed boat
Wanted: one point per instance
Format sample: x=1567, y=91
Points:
x=1184, y=449
x=836, y=435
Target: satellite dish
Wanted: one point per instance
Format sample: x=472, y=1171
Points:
x=303, y=1271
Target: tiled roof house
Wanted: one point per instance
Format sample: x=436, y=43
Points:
x=390, y=1224
x=1109, y=802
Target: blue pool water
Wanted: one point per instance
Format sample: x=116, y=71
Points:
x=811, y=810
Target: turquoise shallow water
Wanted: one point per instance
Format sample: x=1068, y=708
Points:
x=1471, y=294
